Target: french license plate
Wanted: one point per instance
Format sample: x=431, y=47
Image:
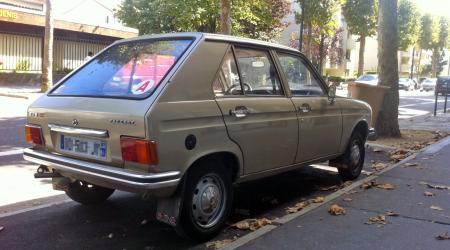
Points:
x=83, y=146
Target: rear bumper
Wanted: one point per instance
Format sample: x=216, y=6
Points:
x=372, y=135
x=159, y=184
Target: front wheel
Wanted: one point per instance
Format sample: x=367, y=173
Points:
x=207, y=202
x=88, y=194
x=351, y=163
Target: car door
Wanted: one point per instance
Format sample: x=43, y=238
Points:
x=320, y=120
x=258, y=115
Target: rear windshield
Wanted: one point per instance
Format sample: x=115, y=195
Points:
x=130, y=70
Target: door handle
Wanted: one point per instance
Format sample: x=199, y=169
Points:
x=305, y=108
x=239, y=111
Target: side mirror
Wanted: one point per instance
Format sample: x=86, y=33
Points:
x=332, y=93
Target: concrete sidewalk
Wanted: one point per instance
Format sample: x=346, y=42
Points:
x=419, y=221
x=439, y=122
x=25, y=92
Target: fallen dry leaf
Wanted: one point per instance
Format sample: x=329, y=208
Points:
x=440, y=187
x=380, y=219
x=426, y=193
x=218, y=244
x=369, y=184
x=335, y=209
x=366, y=173
x=297, y=207
x=372, y=184
x=443, y=236
x=348, y=199
x=437, y=208
x=386, y=186
x=399, y=155
x=252, y=224
x=391, y=213
x=379, y=166
x=334, y=187
x=318, y=199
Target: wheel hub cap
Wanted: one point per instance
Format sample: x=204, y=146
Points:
x=208, y=201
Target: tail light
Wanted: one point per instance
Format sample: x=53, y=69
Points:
x=33, y=134
x=138, y=150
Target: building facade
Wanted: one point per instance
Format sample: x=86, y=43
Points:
x=77, y=32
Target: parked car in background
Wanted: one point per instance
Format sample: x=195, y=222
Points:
x=368, y=79
x=182, y=117
x=406, y=84
x=443, y=85
x=428, y=84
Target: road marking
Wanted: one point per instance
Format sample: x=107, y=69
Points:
x=12, y=152
x=55, y=203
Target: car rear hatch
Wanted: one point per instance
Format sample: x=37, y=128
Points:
x=88, y=128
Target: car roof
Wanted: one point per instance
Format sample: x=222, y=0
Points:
x=210, y=37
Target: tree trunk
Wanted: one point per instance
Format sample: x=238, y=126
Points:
x=387, y=123
x=321, y=53
x=47, y=61
x=434, y=62
x=225, y=18
x=418, y=64
x=308, y=40
x=411, y=76
x=362, y=48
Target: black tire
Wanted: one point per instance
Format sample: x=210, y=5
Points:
x=349, y=166
x=191, y=224
x=88, y=194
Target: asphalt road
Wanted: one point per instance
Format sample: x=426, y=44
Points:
x=117, y=224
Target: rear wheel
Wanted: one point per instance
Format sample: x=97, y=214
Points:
x=350, y=164
x=88, y=194
x=207, y=201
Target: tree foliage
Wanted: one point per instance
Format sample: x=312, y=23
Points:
x=361, y=16
x=429, y=32
x=408, y=24
x=255, y=19
x=321, y=38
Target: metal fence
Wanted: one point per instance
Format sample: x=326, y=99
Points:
x=24, y=53
x=21, y=53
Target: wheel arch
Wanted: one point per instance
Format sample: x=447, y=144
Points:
x=230, y=160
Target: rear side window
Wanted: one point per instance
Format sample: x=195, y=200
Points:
x=227, y=82
x=130, y=70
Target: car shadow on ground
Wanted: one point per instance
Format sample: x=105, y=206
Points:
x=128, y=222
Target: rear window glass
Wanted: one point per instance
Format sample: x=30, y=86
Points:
x=130, y=70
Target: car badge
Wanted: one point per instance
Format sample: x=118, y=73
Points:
x=75, y=122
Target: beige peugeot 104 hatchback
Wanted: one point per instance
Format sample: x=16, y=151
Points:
x=183, y=117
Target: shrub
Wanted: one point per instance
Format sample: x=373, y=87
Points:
x=23, y=65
